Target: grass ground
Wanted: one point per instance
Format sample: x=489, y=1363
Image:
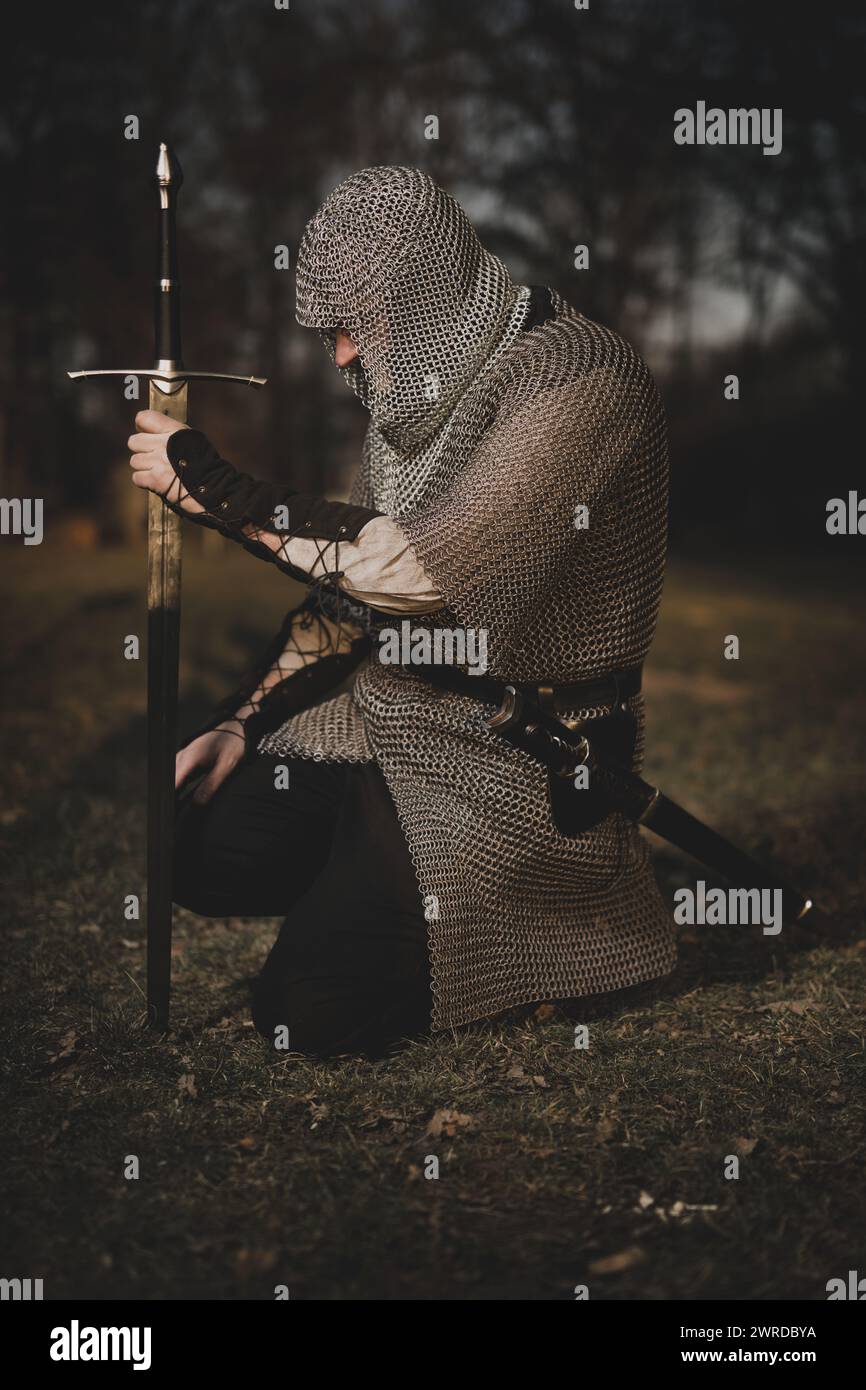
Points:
x=557, y=1166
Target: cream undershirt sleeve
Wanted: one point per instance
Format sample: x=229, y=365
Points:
x=380, y=567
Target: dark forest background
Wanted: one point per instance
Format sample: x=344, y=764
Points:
x=556, y=129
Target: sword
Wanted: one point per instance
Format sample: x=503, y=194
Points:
x=563, y=751
x=168, y=384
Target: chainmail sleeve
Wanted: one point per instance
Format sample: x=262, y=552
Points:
x=555, y=497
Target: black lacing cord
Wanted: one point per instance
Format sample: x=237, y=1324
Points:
x=331, y=642
x=235, y=531
x=328, y=579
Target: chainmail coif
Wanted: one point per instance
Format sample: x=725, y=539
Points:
x=484, y=441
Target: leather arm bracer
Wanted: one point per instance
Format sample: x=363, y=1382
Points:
x=233, y=500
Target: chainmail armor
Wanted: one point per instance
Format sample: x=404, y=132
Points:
x=485, y=475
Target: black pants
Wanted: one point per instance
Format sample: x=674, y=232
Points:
x=349, y=970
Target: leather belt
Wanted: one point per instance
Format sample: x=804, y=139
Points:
x=595, y=693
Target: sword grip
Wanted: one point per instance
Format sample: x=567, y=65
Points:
x=166, y=321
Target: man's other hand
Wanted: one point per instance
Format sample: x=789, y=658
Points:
x=149, y=461
x=217, y=753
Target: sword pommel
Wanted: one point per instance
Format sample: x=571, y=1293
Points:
x=169, y=174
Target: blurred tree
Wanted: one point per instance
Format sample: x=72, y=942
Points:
x=555, y=128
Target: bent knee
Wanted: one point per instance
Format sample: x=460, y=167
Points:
x=204, y=878
x=194, y=898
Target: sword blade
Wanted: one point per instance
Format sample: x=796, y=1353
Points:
x=163, y=649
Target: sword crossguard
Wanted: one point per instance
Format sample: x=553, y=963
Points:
x=174, y=377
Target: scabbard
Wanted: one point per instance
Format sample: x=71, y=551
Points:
x=680, y=828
